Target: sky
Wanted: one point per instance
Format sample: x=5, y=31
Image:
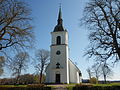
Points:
x=45, y=14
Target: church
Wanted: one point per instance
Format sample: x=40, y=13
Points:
x=61, y=69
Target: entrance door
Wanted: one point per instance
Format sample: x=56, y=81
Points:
x=57, y=78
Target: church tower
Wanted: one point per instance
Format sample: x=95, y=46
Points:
x=61, y=69
x=59, y=53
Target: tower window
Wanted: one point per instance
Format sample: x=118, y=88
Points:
x=58, y=52
x=58, y=40
x=57, y=65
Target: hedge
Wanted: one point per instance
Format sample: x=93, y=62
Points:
x=97, y=88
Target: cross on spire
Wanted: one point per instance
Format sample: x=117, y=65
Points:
x=60, y=5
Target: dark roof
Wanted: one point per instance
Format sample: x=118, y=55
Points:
x=58, y=28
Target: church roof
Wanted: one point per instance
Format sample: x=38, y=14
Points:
x=59, y=26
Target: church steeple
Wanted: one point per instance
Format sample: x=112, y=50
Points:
x=59, y=26
x=60, y=17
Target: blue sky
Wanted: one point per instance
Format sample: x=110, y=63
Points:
x=45, y=14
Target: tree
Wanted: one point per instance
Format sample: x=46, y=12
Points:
x=15, y=28
x=2, y=61
x=18, y=64
x=27, y=79
x=23, y=80
x=103, y=20
x=37, y=78
x=42, y=59
x=96, y=68
x=89, y=73
x=100, y=69
x=106, y=71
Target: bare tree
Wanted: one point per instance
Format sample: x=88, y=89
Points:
x=2, y=61
x=89, y=73
x=103, y=20
x=96, y=68
x=15, y=28
x=106, y=71
x=42, y=59
x=18, y=64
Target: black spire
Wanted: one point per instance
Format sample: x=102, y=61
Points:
x=60, y=16
x=59, y=26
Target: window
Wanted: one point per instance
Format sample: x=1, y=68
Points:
x=80, y=74
x=58, y=52
x=57, y=65
x=58, y=40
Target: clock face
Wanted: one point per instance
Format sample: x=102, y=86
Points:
x=58, y=52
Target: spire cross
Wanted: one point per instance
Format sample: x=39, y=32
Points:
x=60, y=5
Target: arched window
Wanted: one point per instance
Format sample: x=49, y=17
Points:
x=58, y=42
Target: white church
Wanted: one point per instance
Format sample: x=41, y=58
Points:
x=61, y=69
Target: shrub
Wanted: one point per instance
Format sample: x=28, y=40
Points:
x=96, y=87
x=93, y=80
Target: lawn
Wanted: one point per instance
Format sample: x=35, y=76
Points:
x=13, y=85
x=111, y=84
x=24, y=87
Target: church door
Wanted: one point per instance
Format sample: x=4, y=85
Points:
x=57, y=78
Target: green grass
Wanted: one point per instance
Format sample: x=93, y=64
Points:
x=13, y=85
x=111, y=84
x=70, y=87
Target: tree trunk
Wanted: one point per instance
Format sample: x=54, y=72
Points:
x=105, y=81
x=97, y=79
x=118, y=51
x=41, y=76
x=115, y=42
x=17, y=80
x=18, y=76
